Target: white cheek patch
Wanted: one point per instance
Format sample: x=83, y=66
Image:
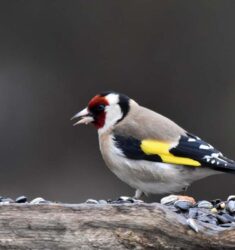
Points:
x=113, y=114
x=112, y=99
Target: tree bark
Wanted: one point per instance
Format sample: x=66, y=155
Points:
x=88, y=226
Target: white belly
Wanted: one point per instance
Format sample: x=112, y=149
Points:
x=148, y=176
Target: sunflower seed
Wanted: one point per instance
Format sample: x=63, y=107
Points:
x=103, y=202
x=231, y=206
x=183, y=205
x=21, y=199
x=215, y=201
x=229, y=217
x=205, y=204
x=208, y=218
x=169, y=200
x=221, y=205
x=193, y=213
x=222, y=219
x=38, y=200
x=226, y=225
x=92, y=201
x=231, y=198
x=123, y=200
x=6, y=201
x=214, y=210
x=192, y=223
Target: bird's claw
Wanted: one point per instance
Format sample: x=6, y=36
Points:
x=126, y=200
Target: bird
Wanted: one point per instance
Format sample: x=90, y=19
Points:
x=147, y=150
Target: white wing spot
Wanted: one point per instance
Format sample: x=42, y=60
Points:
x=211, y=146
x=207, y=147
x=215, y=155
x=191, y=140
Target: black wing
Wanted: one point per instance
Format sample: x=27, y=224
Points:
x=194, y=148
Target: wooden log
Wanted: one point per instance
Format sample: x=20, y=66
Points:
x=88, y=226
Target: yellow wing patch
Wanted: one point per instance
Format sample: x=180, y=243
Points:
x=153, y=147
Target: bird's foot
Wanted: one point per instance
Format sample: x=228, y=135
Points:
x=138, y=194
x=171, y=199
x=126, y=200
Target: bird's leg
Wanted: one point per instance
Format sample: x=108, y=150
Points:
x=138, y=194
x=185, y=189
x=126, y=199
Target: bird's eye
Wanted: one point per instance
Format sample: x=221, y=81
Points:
x=100, y=107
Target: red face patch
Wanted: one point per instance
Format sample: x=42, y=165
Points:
x=97, y=100
x=96, y=107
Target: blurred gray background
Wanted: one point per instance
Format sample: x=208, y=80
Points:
x=176, y=57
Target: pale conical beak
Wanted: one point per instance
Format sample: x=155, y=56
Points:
x=85, y=115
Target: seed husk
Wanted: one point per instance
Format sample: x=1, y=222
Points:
x=231, y=198
x=169, y=200
x=205, y=204
x=183, y=205
x=231, y=206
x=214, y=210
x=192, y=223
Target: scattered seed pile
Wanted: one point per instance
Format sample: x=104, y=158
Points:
x=216, y=212
x=23, y=199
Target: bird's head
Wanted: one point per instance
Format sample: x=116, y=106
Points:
x=104, y=110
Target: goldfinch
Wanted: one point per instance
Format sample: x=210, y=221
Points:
x=146, y=150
